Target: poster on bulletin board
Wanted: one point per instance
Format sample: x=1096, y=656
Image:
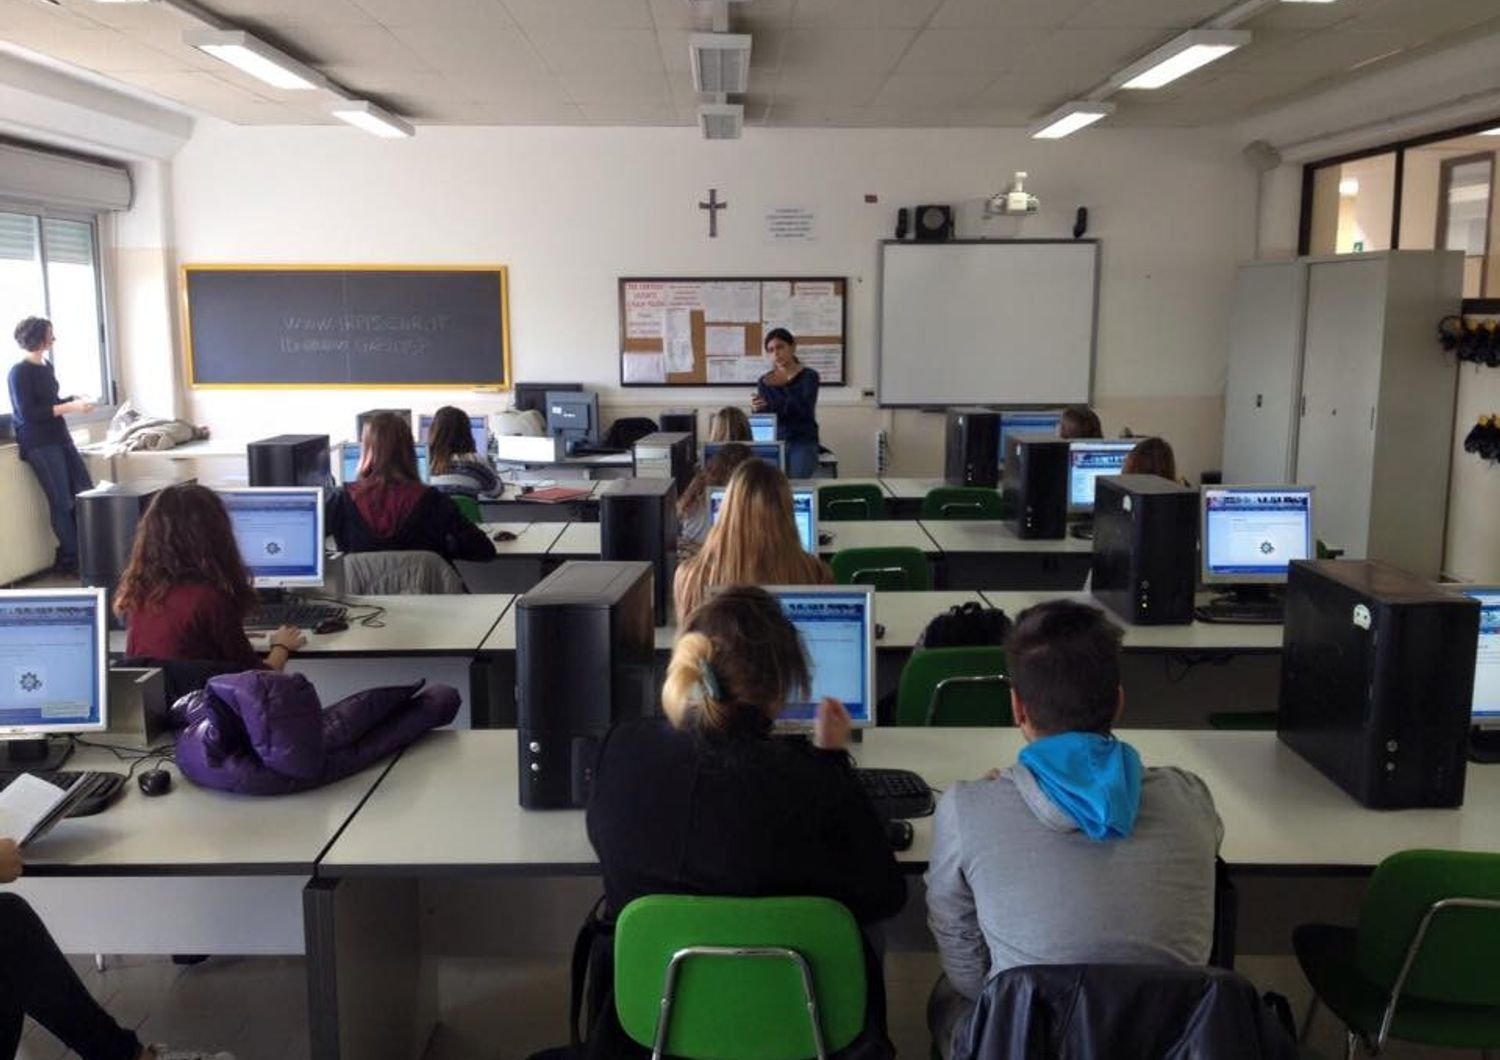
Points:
x=711, y=332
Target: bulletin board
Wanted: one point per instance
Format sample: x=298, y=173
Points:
x=677, y=331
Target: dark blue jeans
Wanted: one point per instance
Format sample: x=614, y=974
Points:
x=801, y=459
x=62, y=474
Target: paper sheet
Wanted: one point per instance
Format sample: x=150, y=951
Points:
x=677, y=339
x=645, y=368
x=820, y=288
x=817, y=315
x=775, y=301
x=735, y=302
x=643, y=309
x=737, y=369
x=24, y=803
x=827, y=361
x=722, y=341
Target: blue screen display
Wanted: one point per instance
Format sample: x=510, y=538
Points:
x=762, y=426
x=836, y=632
x=1089, y=460
x=277, y=531
x=351, y=463
x=804, y=511
x=1252, y=532
x=477, y=426
x=771, y=452
x=51, y=645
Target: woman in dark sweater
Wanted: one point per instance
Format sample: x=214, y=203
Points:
x=46, y=445
x=186, y=591
x=790, y=389
x=389, y=509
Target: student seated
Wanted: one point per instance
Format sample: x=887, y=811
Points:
x=456, y=466
x=692, y=508
x=1152, y=456
x=36, y=980
x=186, y=591
x=389, y=509
x=729, y=424
x=1079, y=421
x=1075, y=854
x=755, y=541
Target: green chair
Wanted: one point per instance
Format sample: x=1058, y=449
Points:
x=954, y=686
x=897, y=569
x=468, y=505
x=851, y=500
x=739, y=978
x=1421, y=964
x=961, y=502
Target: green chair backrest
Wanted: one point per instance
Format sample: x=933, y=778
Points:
x=730, y=1007
x=1458, y=961
x=852, y=500
x=961, y=502
x=954, y=686
x=468, y=505
x=898, y=569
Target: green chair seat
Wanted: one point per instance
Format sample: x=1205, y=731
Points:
x=897, y=569
x=850, y=500
x=961, y=502
x=954, y=686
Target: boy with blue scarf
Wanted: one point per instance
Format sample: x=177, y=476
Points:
x=1077, y=853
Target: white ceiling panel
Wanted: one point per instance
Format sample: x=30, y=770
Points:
x=627, y=50
x=469, y=14
x=581, y=14
x=1006, y=14
x=862, y=14
x=1428, y=18
x=937, y=51
x=592, y=86
x=631, y=112
x=445, y=50
x=845, y=90
x=930, y=91
x=1148, y=14
x=368, y=48
x=280, y=13
x=847, y=50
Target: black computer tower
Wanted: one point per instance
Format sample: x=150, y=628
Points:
x=585, y=649
x=290, y=460
x=1146, y=549
x=1377, y=681
x=1036, y=484
x=638, y=520
x=107, y=518
x=972, y=456
x=674, y=421
x=666, y=454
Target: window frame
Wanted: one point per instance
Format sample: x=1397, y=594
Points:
x=1445, y=190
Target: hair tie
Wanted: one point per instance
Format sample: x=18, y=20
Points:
x=710, y=682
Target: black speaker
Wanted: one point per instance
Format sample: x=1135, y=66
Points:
x=638, y=521
x=1036, y=484
x=1146, y=549
x=585, y=651
x=934, y=224
x=972, y=456
x=903, y=222
x=289, y=460
x=1377, y=681
x=107, y=518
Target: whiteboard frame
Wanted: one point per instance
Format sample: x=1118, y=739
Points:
x=880, y=322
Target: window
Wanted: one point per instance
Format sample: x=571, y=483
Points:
x=1352, y=206
x=49, y=266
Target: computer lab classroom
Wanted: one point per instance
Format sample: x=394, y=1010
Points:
x=749, y=529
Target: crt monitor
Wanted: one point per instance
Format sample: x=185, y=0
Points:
x=1251, y=534
x=837, y=627
x=1487, y=658
x=762, y=426
x=573, y=415
x=478, y=425
x=54, y=654
x=804, y=511
x=1089, y=459
x=773, y=453
x=280, y=534
x=1027, y=421
x=349, y=463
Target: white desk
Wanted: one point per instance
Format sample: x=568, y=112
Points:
x=987, y=536
x=876, y=533
x=532, y=539
x=987, y=554
x=577, y=541
x=518, y=564
x=1197, y=637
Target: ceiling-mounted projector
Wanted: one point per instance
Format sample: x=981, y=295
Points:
x=1013, y=200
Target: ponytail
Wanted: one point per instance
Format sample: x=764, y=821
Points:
x=691, y=682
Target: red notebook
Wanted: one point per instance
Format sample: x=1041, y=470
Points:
x=554, y=495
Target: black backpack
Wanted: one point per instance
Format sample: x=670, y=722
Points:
x=966, y=625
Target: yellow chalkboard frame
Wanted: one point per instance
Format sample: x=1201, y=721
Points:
x=185, y=271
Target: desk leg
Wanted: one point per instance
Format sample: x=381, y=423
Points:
x=370, y=993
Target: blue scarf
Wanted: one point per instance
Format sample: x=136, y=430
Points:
x=1094, y=779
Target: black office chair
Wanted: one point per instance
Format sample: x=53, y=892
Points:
x=626, y=431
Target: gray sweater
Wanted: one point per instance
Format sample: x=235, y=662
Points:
x=1012, y=881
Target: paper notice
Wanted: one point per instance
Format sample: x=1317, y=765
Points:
x=775, y=301
x=827, y=361
x=732, y=303
x=821, y=288
x=677, y=339
x=737, y=369
x=721, y=341
x=817, y=315
x=683, y=295
x=644, y=368
x=643, y=322
x=791, y=224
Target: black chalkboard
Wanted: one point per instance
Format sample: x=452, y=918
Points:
x=346, y=326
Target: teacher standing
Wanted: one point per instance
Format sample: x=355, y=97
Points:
x=790, y=389
x=46, y=445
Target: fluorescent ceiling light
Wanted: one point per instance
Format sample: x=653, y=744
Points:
x=721, y=62
x=362, y=114
x=1348, y=187
x=721, y=121
x=1069, y=118
x=255, y=57
x=1491, y=132
x=1181, y=56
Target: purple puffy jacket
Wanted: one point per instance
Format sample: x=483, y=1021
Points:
x=265, y=733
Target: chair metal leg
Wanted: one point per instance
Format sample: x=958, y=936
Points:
x=1351, y=1043
x=1307, y=1020
x=98, y=962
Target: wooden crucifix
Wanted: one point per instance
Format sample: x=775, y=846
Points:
x=713, y=206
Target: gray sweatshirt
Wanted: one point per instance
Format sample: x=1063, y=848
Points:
x=1012, y=881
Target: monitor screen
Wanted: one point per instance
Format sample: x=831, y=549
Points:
x=350, y=463
x=478, y=426
x=773, y=453
x=1089, y=460
x=804, y=511
x=1027, y=422
x=837, y=627
x=762, y=426
x=1251, y=534
x=1487, y=659
x=280, y=534
x=53, y=656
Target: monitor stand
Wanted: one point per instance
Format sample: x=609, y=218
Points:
x=41, y=754
x=1082, y=527
x=1245, y=603
x=1484, y=745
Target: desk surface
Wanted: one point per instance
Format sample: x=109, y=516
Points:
x=911, y=488
x=532, y=539
x=876, y=533
x=449, y=805
x=193, y=831
x=207, y=448
x=577, y=539
x=1199, y=636
x=993, y=535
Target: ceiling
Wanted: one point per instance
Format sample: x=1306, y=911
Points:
x=921, y=63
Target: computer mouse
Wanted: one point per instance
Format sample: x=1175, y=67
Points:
x=154, y=782
x=331, y=625
x=504, y=535
x=825, y=537
x=899, y=833
x=879, y=631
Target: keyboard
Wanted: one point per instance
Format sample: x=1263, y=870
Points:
x=896, y=792
x=106, y=789
x=304, y=615
x=1258, y=612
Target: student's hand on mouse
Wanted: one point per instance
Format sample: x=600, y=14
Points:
x=832, y=728
x=288, y=637
x=11, y=865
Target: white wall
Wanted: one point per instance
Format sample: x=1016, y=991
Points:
x=571, y=210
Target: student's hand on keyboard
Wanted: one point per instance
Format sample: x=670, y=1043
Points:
x=832, y=727
x=289, y=637
x=10, y=861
